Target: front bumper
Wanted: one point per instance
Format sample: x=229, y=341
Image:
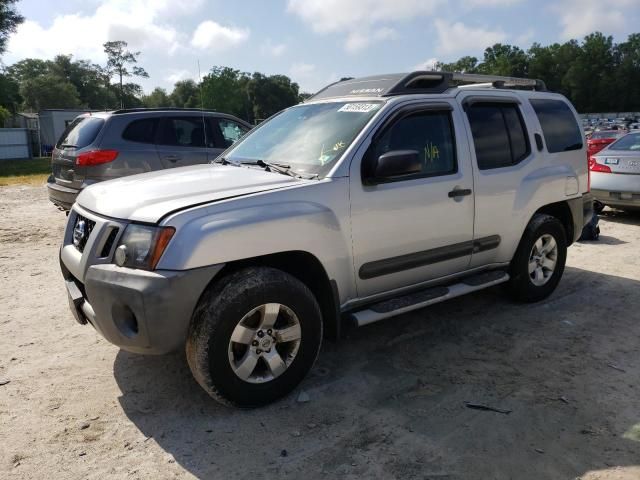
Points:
x=615, y=189
x=63, y=197
x=137, y=310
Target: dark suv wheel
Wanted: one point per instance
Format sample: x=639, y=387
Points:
x=539, y=261
x=254, y=336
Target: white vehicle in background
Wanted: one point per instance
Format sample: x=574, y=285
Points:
x=615, y=174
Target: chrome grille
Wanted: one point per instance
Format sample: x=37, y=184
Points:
x=82, y=229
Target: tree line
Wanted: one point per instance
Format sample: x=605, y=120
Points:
x=33, y=84
x=597, y=74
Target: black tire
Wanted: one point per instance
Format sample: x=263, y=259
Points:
x=219, y=311
x=521, y=286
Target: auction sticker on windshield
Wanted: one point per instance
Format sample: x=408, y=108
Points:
x=359, y=107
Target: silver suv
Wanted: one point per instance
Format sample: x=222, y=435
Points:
x=106, y=145
x=375, y=197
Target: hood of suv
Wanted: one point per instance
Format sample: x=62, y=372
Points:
x=150, y=196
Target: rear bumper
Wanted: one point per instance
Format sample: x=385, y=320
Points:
x=617, y=190
x=139, y=311
x=63, y=197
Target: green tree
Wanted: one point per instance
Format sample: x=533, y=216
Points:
x=463, y=65
x=9, y=21
x=5, y=115
x=91, y=81
x=49, y=91
x=157, y=98
x=269, y=95
x=119, y=60
x=505, y=60
x=9, y=93
x=185, y=94
x=225, y=89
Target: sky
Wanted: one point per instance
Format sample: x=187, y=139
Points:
x=314, y=42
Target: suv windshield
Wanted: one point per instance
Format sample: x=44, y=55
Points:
x=629, y=142
x=81, y=132
x=307, y=138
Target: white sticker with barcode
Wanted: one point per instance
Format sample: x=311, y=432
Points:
x=359, y=107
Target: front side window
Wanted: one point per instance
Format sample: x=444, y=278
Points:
x=186, y=132
x=499, y=134
x=231, y=131
x=307, y=138
x=430, y=134
x=559, y=125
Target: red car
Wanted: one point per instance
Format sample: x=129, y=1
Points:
x=598, y=140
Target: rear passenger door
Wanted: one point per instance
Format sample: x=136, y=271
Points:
x=184, y=140
x=503, y=157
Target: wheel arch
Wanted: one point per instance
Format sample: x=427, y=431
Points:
x=309, y=270
x=562, y=212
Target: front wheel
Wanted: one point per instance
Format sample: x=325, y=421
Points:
x=539, y=262
x=254, y=336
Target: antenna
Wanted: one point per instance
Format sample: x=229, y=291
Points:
x=204, y=125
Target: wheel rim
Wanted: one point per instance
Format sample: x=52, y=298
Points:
x=543, y=259
x=264, y=343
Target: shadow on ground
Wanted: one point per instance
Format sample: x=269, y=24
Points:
x=389, y=401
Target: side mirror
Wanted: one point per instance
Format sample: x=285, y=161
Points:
x=397, y=163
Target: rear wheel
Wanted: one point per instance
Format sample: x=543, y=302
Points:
x=254, y=336
x=539, y=262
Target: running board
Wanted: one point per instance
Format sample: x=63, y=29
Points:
x=424, y=298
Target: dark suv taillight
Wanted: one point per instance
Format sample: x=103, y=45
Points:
x=96, y=157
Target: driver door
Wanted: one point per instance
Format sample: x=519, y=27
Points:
x=412, y=229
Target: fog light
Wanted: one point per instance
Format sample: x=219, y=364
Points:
x=121, y=255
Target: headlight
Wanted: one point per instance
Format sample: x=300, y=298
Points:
x=141, y=246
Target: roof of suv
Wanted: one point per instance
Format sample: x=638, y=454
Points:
x=421, y=82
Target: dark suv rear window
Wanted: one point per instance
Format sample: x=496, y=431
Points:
x=81, y=132
x=143, y=131
x=559, y=126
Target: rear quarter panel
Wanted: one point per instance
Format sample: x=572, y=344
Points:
x=133, y=157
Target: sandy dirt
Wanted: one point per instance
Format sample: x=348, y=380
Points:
x=386, y=402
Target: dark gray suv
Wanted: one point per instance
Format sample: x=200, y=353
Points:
x=105, y=145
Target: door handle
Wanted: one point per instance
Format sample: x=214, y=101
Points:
x=172, y=158
x=459, y=192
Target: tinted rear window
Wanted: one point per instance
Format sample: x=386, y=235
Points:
x=499, y=135
x=559, y=126
x=629, y=142
x=81, y=132
x=143, y=130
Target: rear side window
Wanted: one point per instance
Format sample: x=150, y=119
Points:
x=186, y=132
x=499, y=134
x=143, y=131
x=559, y=126
x=81, y=132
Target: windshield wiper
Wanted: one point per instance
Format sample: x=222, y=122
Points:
x=223, y=161
x=68, y=145
x=282, y=168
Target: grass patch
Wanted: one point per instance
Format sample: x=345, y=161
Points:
x=31, y=171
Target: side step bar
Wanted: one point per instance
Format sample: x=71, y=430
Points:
x=424, y=298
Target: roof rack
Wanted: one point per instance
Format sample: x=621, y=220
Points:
x=421, y=82
x=161, y=109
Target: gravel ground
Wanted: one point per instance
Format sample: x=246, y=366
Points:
x=386, y=402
